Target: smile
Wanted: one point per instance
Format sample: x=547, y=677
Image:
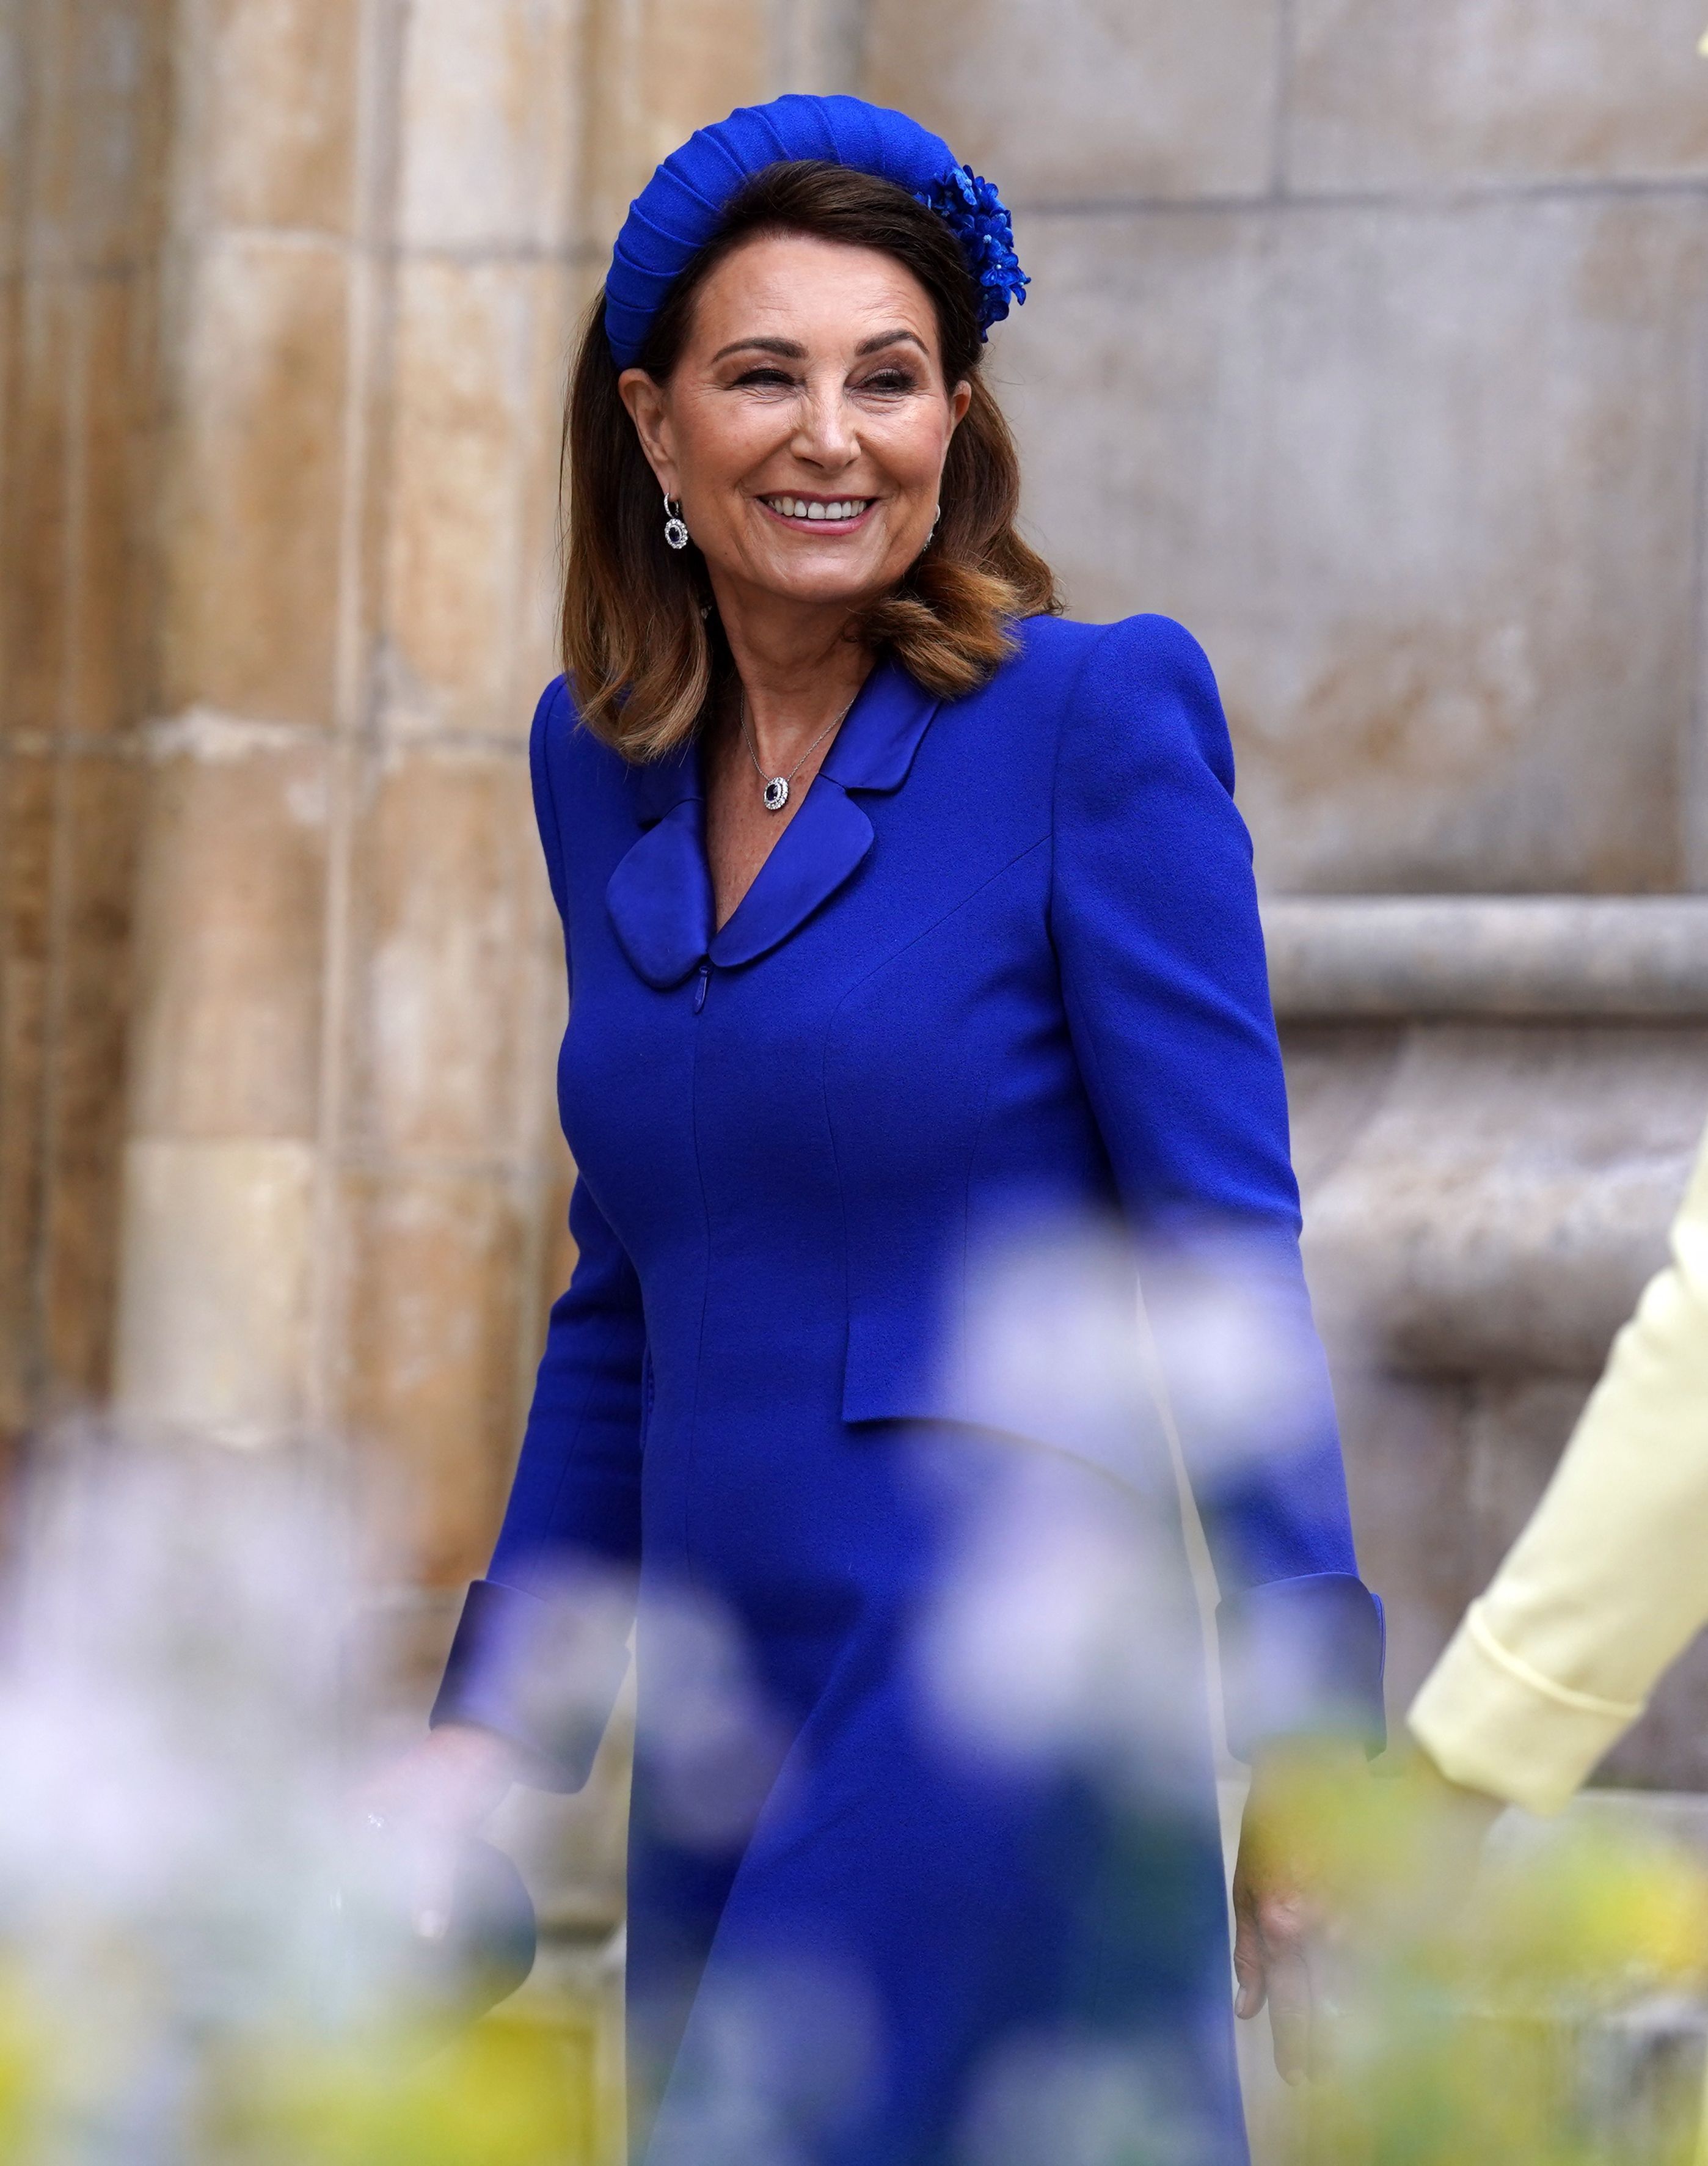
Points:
x=841, y=512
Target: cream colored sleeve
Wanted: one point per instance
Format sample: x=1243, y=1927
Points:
x=1609, y=1581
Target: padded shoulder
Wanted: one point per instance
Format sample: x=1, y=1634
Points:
x=1145, y=693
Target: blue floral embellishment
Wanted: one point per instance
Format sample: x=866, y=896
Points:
x=977, y=217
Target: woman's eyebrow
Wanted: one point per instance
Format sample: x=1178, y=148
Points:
x=785, y=349
x=792, y=350
x=890, y=338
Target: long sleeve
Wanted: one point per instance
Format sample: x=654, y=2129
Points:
x=1609, y=1580
x=1154, y=915
x=540, y=1649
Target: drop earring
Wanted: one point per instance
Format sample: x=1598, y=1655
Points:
x=675, y=527
x=936, y=521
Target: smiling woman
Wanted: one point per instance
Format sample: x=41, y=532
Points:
x=824, y=345
x=907, y=927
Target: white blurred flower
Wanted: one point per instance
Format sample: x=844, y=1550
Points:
x=175, y=1689
x=1064, y=1628
x=1058, y=2100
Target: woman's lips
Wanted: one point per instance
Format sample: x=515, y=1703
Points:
x=836, y=515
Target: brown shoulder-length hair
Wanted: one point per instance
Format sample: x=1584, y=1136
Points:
x=643, y=657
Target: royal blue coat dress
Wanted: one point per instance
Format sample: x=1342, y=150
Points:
x=1002, y=975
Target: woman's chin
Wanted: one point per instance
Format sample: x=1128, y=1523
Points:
x=821, y=581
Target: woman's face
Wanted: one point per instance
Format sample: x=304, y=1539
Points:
x=805, y=426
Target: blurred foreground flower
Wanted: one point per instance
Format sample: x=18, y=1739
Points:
x=202, y=1961
x=1546, y=2008
x=498, y=2097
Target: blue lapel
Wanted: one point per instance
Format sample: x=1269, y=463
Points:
x=660, y=896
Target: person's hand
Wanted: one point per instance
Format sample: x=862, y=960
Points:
x=1281, y=1907
x=427, y=1804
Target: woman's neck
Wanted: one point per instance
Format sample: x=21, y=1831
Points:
x=797, y=667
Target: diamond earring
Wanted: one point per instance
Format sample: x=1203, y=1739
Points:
x=675, y=527
x=936, y=521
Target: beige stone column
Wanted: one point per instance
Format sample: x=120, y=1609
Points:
x=272, y=266
x=448, y=1177
x=82, y=130
x=338, y=1160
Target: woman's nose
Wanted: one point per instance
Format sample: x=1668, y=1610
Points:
x=824, y=434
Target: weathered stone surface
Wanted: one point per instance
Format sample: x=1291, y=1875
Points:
x=78, y=364
x=1503, y=1204
x=474, y=432
x=97, y=887
x=26, y=854
x=1383, y=94
x=1515, y=1432
x=1407, y=1455
x=17, y=59
x=1087, y=102
x=1337, y=1076
x=255, y=500
x=433, y=1374
x=91, y=181
x=1407, y=957
x=663, y=68
x=818, y=46
x=562, y=296
x=276, y=112
x=107, y=666
x=448, y=1052
x=36, y=516
x=490, y=124
x=230, y=935
x=1389, y=464
x=215, y=1326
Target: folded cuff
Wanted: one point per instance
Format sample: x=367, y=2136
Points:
x=543, y=1675
x=1303, y=1657
x=1491, y=1721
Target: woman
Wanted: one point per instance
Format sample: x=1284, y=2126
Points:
x=900, y=915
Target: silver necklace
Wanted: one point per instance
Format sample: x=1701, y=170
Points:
x=773, y=789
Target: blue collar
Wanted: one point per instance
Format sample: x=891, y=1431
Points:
x=660, y=896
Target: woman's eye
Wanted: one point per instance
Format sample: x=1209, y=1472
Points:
x=769, y=378
x=889, y=379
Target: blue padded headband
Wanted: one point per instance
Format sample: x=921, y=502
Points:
x=679, y=209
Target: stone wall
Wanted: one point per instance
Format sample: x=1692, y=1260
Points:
x=1368, y=341
x=82, y=95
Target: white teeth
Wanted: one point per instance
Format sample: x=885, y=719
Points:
x=798, y=507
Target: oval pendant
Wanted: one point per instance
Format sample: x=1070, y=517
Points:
x=776, y=794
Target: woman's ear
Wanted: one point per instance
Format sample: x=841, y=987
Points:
x=645, y=400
